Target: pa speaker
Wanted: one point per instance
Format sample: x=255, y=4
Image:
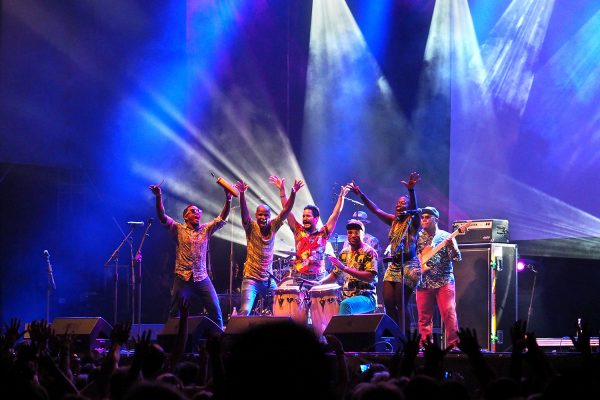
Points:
x=240, y=324
x=486, y=292
x=87, y=331
x=365, y=332
x=199, y=328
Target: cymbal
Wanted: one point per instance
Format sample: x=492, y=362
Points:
x=335, y=238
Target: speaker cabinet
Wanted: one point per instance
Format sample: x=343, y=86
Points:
x=199, y=328
x=365, y=332
x=88, y=332
x=486, y=292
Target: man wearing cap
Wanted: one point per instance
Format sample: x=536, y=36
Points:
x=437, y=280
x=404, y=268
x=358, y=266
x=368, y=238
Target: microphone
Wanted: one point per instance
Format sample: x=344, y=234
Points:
x=412, y=212
x=135, y=223
x=226, y=185
x=51, y=281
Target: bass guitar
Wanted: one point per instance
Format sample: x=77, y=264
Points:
x=428, y=252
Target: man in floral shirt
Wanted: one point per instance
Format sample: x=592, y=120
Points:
x=437, y=280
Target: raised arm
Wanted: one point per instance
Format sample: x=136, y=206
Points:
x=160, y=208
x=382, y=215
x=279, y=184
x=227, y=206
x=335, y=214
x=412, y=197
x=289, y=204
x=241, y=186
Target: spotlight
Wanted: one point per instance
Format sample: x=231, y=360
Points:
x=520, y=265
x=525, y=264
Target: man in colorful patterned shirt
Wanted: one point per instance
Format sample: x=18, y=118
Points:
x=260, y=236
x=310, y=241
x=437, y=282
x=191, y=240
x=358, y=266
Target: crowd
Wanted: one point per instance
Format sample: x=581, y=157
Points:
x=279, y=360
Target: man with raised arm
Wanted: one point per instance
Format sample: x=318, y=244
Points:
x=191, y=241
x=260, y=236
x=310, y=241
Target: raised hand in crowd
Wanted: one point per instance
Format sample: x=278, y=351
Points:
x=469, y=344
x=342, y=382
x=403, y=362
x=434, y=357
x=41, y=333
x=12, y=333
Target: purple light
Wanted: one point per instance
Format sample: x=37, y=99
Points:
x=520, y=266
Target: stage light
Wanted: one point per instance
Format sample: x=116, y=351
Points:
x=520, y=265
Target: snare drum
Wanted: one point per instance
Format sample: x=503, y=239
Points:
x=324, y=304
x=290, y=301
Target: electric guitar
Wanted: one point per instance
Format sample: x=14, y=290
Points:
x=429, y=251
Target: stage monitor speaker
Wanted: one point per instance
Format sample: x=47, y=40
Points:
x=239, y=324
x=486, y=292
x=199, y=328
x=89, y=332
x=365, y=332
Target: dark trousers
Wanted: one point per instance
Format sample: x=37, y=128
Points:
x=203, y=291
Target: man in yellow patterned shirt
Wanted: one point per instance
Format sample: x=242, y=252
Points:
x=260, y=235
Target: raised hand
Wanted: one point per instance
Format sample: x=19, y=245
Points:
x=241, y=186
x=354, y=187
x=156, y=188
x=142, y=344
x=410, y=345
x=334, y=344
x=468, y=342
x=40, y=333
x=120, y=333
x=344, y=190
x=12, y=333
x=298, y=184
x=277, y=181
x=412, y=180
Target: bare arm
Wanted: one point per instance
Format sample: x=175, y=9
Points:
x=412, y=203
x=241, y=186
x=279, y=184
x=382, y=215
x=289, y=204
x=226, y=207
x=160, y=208
x=335, y=215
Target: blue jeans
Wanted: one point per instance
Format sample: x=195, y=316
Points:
x=252, y=288
x=204, y=290
x=357, y=305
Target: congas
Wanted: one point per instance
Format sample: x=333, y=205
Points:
x=324, y=304
x=290, y=301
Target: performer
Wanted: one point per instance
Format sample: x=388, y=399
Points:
x=368, y=238
x=310, y=241
x=358, y=265
x=260, y=236
x=437, y=283
x=191, y=240
x=404, y=227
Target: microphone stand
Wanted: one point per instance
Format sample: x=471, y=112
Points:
x=137, y=283
x=51, y=284
x=115, y=256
